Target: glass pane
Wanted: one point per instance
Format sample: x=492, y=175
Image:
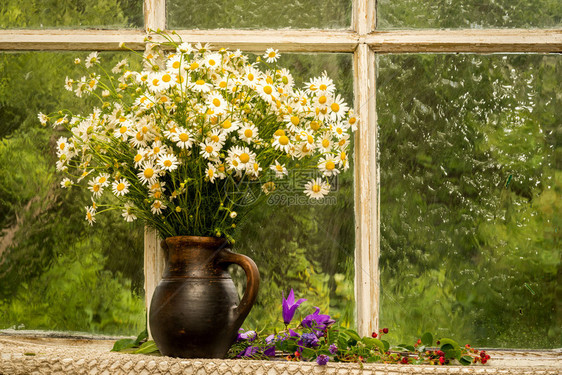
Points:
x=39, y=14
x=57, y=272
x=471, y=198
x=473, y=14
x=301, y=244
x=258, y=14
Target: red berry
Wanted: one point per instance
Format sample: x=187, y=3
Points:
x=374, y=334
x=484, y=360
x=483, y=354
x=438, y=342
x=419, y=341
x=440, y=353
x=487, y=356
x=385, y=330
x=442, y=360
x=297, y=354
x=404, y=360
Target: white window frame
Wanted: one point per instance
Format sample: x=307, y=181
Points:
x=364, y=41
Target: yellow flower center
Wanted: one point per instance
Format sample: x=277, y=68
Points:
x=279, y=132
x=139, y=136
x=341, y=142
x=339, y=130
x=325, y=143
x=215, y=138
x=222, y=84
x=244, y=157
x=316, y=188
x=148, y=172
x=352, y=120
x=212, y=62
x=343, y=155
x=144, y=129
x=271, y=54
x=226, y=124
x=193, y=66
x=120, y=186
x=279, y=167
x=322, y=99
x=209, y=149
x=184, y=137
x=283, y=140
x=157, y=204
x=156, y=149
x=310, y=139
x=295, y=120
x=166, y=78
x=335, y=107
x=89, y=216
x=323, y=87
x=248, y=133
x=250, y=77
x=256, y=167
x=315, y=125
x=221, y=168
x=62, y=146
x=330, y=165
x=200, y=82
x=167, y=163
x=157, y=194
x=102, y=180
x=267, y=90
x=210, y=173
x=155, y=82
x=123, y=130
x=96, y=188
x=176, y=65
x=216, y=102
x=138, y=157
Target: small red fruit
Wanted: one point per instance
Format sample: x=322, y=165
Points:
x=483, y=354
x=385, y=330
x=419, y=341
x=297, y=354
x=438, y=342
x=487, y=356
x=484, y=360
x=440, y=353
x=442, y=360
x=374, y=334
x=404, y=360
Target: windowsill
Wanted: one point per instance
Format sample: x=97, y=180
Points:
x=46, y=355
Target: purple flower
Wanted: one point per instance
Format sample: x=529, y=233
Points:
x=317, y=321
x=322, y=359
x=250, y=351
x=333, y=349
x=248, y=335
x=290, y=307
x=308, y=340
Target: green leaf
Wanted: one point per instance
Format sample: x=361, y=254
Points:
x=453, y=343
x=123, y=344
x=465, y=360
x=386, y=345
x=351, y=333
x=147, y=347
x=141, y=337
x=427, y=339
x=409, y=348
x=373, y=343
x=374, y=358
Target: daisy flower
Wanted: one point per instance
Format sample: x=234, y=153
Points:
x=148, y=174
x=210, y=150
x=266, y=91
x=328, y=166
x=182, y=138
x=95, y=187
x=282, y=143
x=168, y=162
x=120, y=187
x=325, y=143
x=90, y=215
x=65, y=183
x=212, y=60
x=340, y=129
x=248, y=133
x=200, y=86
x=228, y=125
x=211, y=172
x=251, y=76
x=157, y=207
x=338, y=108
x=185, y=48
x=216, y=137
x=217, y=103
x=119, y=66
x=43, y=118
x=92, y=59
x=279, y=169
x=271, y=55
x=128, y=212
x=175, y=62
x=325, y=84
x=68, y=82
x=103, y=179
x=316, y=188
x=124, y=131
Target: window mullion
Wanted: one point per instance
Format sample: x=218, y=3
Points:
x=154, y=14
x=366, y=194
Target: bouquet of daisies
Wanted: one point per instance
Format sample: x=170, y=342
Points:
x=183, y=142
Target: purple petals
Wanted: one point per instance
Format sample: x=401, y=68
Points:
x=317, y=321
x=290, y=307
x=322, y=359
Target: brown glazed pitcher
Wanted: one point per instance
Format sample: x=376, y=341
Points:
x=195, y=311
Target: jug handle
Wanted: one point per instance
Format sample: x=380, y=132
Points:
x=252, y=281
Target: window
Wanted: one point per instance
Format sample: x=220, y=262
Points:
x=344, y=36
